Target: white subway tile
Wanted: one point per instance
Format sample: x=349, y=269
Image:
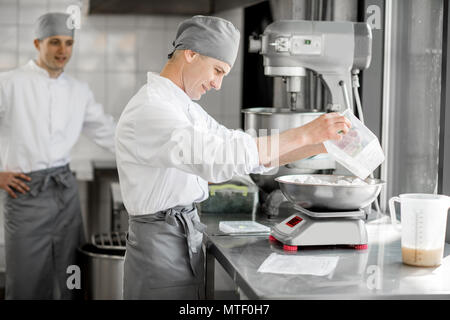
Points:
x=169, y=37
x=8, y=13
x=97, y=83
x=26, y=38
x=30, y=11
x=151, y=52
x=63, y=5
x=231, y=97
x=24, y=57
x=8, y=55
x=141, y=79
x=121, y=50
x=93, y=21
x=90, y=50
x=119, y=90
x=72, y=64
x=172, y=21
x=118, y=21
x=8, y=60
x=26, y=46
x=28, y=3
x=210, y=101
x=151, y=22
x=90, y=62
x=91, y=41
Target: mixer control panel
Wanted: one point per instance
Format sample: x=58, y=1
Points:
x=306, y=45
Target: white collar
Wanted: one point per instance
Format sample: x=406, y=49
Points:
x=32, y=65
x=154, y=78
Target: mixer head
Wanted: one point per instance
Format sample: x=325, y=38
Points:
x=330, y=49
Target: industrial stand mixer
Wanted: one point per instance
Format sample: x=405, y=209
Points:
x=335, y=52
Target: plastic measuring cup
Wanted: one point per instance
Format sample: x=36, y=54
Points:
x=359, y=150
x=423, y=226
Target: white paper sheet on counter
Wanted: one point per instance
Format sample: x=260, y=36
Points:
x=242, y=227
x=290, y=264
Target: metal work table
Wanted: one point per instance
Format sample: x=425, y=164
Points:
x=375, y=273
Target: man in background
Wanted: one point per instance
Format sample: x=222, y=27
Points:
x=42, y=114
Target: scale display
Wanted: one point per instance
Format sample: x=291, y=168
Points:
x=294, y=221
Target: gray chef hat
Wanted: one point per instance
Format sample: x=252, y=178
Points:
x=53, y=24
x=210, y=36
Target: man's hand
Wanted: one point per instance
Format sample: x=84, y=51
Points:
x=12, y=181
x=329, y=126
x=301, y=142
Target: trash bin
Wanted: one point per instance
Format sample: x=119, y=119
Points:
x=102, y=266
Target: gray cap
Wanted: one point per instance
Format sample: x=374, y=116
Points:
x=53, y=24
x=210, y=36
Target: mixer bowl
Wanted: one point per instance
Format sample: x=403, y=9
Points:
x=329, y=197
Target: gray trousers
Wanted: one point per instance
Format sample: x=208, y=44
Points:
x=164, y=256
x=43, y=229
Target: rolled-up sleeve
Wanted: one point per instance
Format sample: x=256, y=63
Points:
x=250, y=146
x=98, y=126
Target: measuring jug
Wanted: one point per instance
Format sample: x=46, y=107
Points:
x=423, y=224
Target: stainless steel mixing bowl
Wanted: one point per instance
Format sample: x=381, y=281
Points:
x=329, y=197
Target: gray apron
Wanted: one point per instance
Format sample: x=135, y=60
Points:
x=43, y=229
x=164, y=257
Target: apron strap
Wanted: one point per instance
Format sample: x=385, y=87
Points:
x=60, y=176
x=186, y=217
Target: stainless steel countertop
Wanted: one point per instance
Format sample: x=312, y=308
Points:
x=375, y=273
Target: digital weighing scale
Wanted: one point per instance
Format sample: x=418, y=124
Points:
x=315, y=228
x=325, y=212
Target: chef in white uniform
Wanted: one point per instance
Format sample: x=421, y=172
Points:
x=168, y=148
x=42, y=113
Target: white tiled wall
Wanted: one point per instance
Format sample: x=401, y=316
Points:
x=113, y=54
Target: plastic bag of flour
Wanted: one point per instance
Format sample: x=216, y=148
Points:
x=359, y=151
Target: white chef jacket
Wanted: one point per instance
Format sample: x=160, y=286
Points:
x=168, y=148
x=41, y=119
